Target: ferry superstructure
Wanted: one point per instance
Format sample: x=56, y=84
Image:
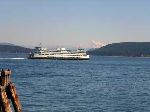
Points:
x=60, y=54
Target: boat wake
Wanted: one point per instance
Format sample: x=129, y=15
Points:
x=12, y=58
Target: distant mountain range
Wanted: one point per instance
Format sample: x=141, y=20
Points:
x=123, y=49
x=11, y=48
x=115, y=49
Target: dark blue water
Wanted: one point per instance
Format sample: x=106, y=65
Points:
x=102, y=84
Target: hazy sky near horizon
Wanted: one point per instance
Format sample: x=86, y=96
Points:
x=73, y=22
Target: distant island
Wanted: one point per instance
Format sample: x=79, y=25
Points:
x=11, y=48
x=134, y=49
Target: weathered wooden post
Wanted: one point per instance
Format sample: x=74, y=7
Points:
x=4, y=101
x=14, y=97
x=8, y=91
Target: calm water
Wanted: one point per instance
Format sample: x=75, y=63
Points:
x=102, y=84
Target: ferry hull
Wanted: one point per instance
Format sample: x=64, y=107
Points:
x=59, y=58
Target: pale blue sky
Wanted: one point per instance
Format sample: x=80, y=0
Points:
x=73, y=22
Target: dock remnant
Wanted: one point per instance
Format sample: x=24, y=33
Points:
x=8, y=93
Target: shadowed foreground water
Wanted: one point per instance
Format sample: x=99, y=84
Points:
x=102, y=84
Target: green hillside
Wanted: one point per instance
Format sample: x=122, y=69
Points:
x=10, y=48
x=123, y=49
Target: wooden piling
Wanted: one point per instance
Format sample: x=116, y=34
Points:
x=8, y=93
x=4, y=101
x=14, y=97
x=5, y=77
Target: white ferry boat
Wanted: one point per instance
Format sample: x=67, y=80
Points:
x=60, y=54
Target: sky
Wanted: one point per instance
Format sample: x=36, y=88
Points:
x=73, y=22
